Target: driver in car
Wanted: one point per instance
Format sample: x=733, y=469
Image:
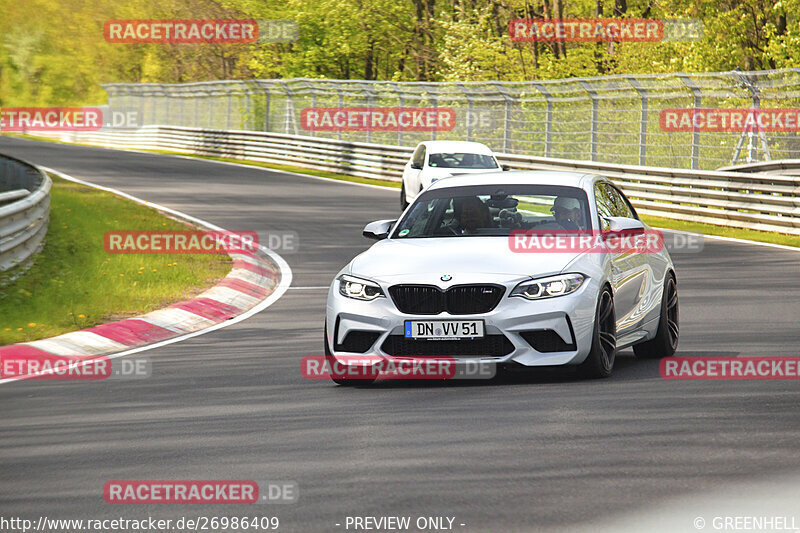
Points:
x=472, y=214
x=567, y=212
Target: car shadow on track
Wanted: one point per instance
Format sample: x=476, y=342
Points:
x=626, y=368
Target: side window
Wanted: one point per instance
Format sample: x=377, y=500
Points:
x=605, y=204
x=419, y=155
x=621, y=206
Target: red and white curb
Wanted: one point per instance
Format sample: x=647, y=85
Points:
x=253, y=284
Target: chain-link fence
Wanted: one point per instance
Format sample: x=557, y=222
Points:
x=614, y=119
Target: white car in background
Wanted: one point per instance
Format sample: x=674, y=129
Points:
x=434, y=160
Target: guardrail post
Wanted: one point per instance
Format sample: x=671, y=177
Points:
x=593, y=95
x=695, y=132
x=548, y=118
x=643, y=119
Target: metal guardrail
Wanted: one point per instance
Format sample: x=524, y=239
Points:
x=736, y=199
x=23, y=222
x=787, y=167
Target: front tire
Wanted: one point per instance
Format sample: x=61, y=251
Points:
x=331, y=359
x=600, y=361
x=665, y=342
x=403, y=201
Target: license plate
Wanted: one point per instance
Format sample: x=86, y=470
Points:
x=443, y=329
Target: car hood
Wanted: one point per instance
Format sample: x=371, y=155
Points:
x=466, y=259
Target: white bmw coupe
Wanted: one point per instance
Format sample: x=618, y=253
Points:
x=434, y=160
x=446, y=280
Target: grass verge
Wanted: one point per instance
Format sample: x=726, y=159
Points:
x=666, y=223
x=73, y=283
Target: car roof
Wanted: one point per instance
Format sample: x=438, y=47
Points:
x=518, y=177
x=442, y=147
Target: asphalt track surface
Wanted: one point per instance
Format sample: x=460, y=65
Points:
x=517, y=454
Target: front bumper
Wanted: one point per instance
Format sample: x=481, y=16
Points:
x=378, y=327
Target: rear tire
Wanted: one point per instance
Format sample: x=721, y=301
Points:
x=665, y=343
x=600, y=361
x=331, y=359
x=403, y=201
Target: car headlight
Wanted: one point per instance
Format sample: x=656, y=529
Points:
x=549, y=287
x=358, y=288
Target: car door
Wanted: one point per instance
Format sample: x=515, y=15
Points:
x=411, y=175
x=631, y=274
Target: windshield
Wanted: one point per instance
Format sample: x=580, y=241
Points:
x=460, y=160
x=494, y=210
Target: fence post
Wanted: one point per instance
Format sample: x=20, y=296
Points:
x=402, y=103
x=166, y=103
x=643, y=119
x=365, y=88
x=548, y=118
x=695, y=132
x=182, y=100
x=506, y=118
x=289, y=114
x=468, y=97
x=210, y=95
x=341, y=105
x=266, y=109
x=228, y=112
x=593, y=94
x=435, y=102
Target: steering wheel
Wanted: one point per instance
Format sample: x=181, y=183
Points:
x=569, y=225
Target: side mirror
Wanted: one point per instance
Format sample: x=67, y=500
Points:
x=506, y=168
x=622, y=224
x=416, y=166
x=378, y=230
